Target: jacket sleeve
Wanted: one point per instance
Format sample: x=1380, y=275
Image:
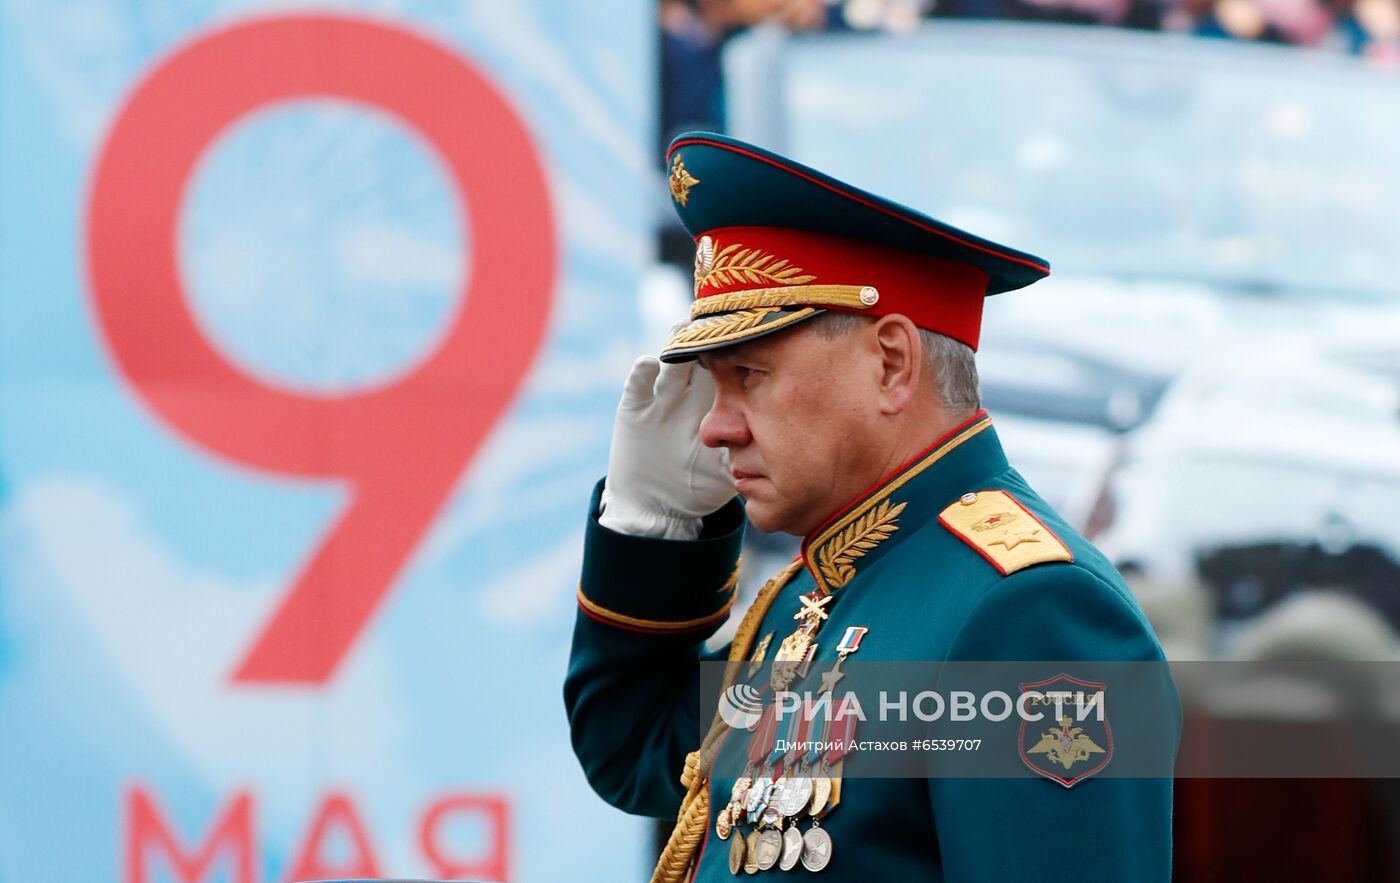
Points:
x=632, y=693
x=1108, y=829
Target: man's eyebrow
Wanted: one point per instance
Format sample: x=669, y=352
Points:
x=709, y=361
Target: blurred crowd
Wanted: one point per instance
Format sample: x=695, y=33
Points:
x=693, y=31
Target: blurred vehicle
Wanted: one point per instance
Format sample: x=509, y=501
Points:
x=1271, y=471
x=1220, y=218
x=1063, y=415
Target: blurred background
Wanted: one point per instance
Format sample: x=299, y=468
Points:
x=313, y=318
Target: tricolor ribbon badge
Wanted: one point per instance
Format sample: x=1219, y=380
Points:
x=850, y=642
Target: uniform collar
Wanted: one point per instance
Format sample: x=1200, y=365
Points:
x=902, y=502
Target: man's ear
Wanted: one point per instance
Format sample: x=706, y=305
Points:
x=901, y=354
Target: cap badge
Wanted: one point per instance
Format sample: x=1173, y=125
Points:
x=681, y=181
x=704, y=256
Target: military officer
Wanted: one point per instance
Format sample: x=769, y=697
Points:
x=827, y=376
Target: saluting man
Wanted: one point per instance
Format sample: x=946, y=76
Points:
x=827, y=376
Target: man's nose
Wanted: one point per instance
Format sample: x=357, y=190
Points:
x=724, y=425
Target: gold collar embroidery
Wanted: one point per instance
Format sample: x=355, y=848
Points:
x=834, y=553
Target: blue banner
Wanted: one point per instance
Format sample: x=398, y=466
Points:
x=312, y=323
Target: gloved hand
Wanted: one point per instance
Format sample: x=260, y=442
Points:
x=661, y=479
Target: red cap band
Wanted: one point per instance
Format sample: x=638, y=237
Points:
x=936, y=294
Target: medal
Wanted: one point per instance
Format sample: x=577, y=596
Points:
x=794, y=648
x=737, y=815
x=737, y=796
x=779, y=787
x=751, y=853
x=792, y=849
x=816, y=848
x=850, y=641
x=833, y=677
x=794, y=797
x=841, y=733
x=741, y=787
x=770, y=818
x=812, y=613
x=736, y=855
x=770, y=847
x=724, y=823
x=758, y=796
x=821, y=792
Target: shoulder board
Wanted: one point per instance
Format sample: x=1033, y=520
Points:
x=1003, y=531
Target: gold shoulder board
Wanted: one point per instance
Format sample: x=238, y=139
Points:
x=1003, y=531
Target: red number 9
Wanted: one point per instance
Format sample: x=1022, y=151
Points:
x=401, y=446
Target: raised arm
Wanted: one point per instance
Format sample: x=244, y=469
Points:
x=660, y=568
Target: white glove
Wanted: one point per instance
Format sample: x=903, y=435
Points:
x=661, y=479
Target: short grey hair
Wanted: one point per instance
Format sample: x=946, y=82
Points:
x=950, y=362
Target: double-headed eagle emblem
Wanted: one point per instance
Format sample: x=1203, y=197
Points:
x=1066, y=744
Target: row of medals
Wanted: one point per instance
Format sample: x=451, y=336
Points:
x=776, y=804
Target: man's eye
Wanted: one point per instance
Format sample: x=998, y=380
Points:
x=746, y=373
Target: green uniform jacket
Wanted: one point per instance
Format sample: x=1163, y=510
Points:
x=925, y=592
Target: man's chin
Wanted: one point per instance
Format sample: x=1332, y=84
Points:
x=766, y=517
